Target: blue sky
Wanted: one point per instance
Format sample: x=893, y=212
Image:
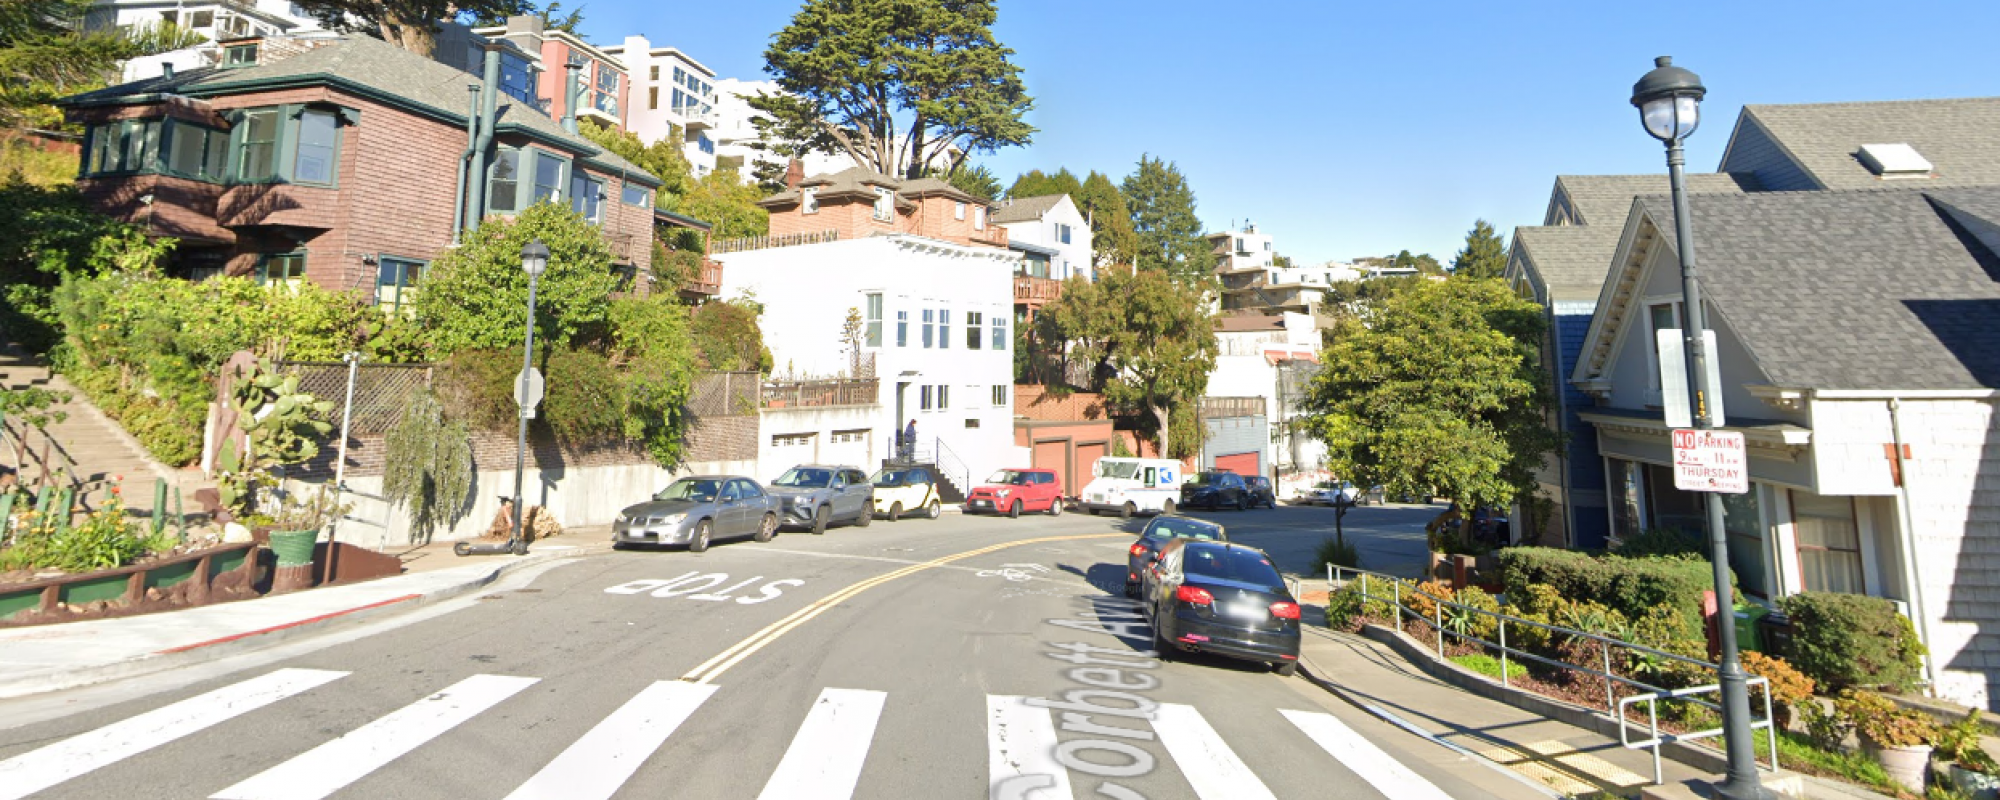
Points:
x=1351, y=129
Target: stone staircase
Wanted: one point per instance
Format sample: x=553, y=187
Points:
x=88, y=445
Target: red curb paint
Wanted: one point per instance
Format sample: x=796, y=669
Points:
x=248, y=634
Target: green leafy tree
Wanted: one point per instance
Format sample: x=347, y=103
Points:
x=1035, y=183
x=1484, y=256
x=727, y=337
x=1440, y=390
x=1167, y=232
x=1153, y=337
x=662, y=158
x=45, y=55
x=651, y=345
x=728, y=202
x=1423, y=263
x=1112, y=240
x=896, y=85
x=476, y=296
x=410, y=24
x=977, y=181
x=552, y=15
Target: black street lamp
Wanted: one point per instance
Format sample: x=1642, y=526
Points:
x=1669, y=102
x=534, y=259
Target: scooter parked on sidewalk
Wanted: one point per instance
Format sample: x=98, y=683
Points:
x=517, y=540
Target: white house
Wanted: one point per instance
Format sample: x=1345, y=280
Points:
x=933, y=284
x=669, y=88
x=1273, y=357
x=215, y=19
x=1052, y=222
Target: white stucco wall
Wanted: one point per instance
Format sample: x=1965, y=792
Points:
x=807, y=291
x=818, y=426
x=1076, y=257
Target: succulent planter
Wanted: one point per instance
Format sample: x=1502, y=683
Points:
x=1908, y=766
x=294, y=550
x=1977, y=785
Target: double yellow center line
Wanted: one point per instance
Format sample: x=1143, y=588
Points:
x=728, y=658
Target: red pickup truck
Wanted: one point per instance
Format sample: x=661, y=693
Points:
x=1012, y=491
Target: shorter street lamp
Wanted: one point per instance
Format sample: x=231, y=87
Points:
x=534, y=259
x=1669, y=103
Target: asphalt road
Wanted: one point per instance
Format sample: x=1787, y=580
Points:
x=895, y=661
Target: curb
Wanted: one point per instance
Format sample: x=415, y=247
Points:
x=58, y=679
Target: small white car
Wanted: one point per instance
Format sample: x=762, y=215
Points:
x=906, y=490
x=1331, y=493
x=1128, y=486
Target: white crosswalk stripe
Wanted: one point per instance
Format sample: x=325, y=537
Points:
x=824, y=761
x=1210, y=766
x=600, y=762
x=34, y=771
x=1386, y=774
x=328, y=767
x=1028, y=755
x=1020, y=752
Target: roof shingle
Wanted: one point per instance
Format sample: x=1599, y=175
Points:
x=1960, y=137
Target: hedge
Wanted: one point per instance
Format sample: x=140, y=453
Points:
x=1842, y=640
x=1630, y=586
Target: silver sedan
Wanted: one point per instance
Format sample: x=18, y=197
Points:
x=696, y=510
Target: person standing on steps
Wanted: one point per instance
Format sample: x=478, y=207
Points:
x=910, y=441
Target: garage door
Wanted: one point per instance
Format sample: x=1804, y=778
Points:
x=1086, y=464
x=1240, y=463
x=847, y=448
x=1051, y=455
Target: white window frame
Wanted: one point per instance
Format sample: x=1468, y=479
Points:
x=809, y=200
x=958, y=211
x=979, y=218
x=885, y=204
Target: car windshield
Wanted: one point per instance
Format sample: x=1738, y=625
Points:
x=805, y=478
x=890, y=477
x=700, y=490
x=1014, y=477
x=1207, y=478
x=1177, y=528
x=1117, y=469
x=1326, y=485
x=1234, y=564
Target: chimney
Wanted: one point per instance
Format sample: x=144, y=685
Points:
x=572, y=91
x=794, y=173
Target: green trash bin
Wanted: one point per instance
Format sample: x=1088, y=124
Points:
x=1749, y=634
x=294, y=548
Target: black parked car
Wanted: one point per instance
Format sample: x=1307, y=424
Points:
x=1227, y=599
x=1161, y=530
x=1215, y=490
x=1261, y=492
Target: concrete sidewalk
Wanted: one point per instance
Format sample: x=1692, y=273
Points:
x=47, y=658
x=1571, y=761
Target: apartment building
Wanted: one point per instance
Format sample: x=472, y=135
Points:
x=673, y=94
x=540, y=73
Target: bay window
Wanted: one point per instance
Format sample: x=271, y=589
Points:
x=503, y=183
x=314, y=160
x=548, y=178
x=585, y=193
x=257, y=148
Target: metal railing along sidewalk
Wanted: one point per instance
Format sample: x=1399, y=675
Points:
x=1651, y=695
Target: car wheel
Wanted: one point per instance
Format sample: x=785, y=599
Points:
x=1271, y=504
x=821, y=518
x=1126, y=511
x=895, y=511
x=1014, y=511
x=620, y=546
x=1055, y=507
x=768, y=528
x=1167, y=507
x=1239, y=503
x=700, y=541
x=934, y=510
x=867, y=516
x=1288, y=669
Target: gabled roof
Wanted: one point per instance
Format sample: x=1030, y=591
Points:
x=1605, y=199
x=1572, y=260
x=1960, y=137
x=1881, y=289
x=371, y=67
x=860, y=182
x=1026, y=209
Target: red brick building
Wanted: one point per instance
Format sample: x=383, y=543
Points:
x=347, y=162
x=859, y=202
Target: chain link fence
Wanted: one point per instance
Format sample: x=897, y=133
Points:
x=381, y=391
x=725, y=394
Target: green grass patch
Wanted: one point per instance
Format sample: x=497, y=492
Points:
x=1797, y=753
x=1489, y=666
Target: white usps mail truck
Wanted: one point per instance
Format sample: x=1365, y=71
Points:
x=1130, y=486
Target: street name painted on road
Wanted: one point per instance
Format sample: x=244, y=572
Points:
x=1710, y=461
x=688, y=585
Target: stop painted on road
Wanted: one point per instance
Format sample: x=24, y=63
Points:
x=698, y=586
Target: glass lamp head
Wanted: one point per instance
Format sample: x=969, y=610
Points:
x=1669, y=100
x=535, y=258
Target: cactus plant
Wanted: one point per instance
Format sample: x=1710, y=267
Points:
x=282, y=426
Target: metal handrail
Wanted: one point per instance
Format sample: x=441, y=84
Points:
x=957, y=465
x=1612, y=703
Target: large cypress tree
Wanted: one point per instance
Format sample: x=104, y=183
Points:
x=1167, y=232
x=1035, y=183
x=1110, y=220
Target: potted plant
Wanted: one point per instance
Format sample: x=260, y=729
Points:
x=1900, y=740
x=295, y=530
x=1968, y=766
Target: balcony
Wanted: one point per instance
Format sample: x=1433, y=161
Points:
x=1033, y=291
x=708, y=283
x=696, y=118
x=813, y=394
x=994, y=235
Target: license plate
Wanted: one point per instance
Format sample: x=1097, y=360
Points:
x=980, y=503
x=1247, y=611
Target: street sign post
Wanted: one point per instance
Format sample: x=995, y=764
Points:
x=1710, y=461
x=528, y=391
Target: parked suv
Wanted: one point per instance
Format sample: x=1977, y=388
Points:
x=1261, y=492
x=815, y=496
x=1012, y=491
x=1215, y=490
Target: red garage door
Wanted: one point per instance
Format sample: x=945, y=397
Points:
x=1086, y=463
x=1053, y=455
x=1240, y=463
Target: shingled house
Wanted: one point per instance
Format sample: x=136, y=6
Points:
x=342, y=161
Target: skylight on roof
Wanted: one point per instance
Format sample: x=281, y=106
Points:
x=1895, y=161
